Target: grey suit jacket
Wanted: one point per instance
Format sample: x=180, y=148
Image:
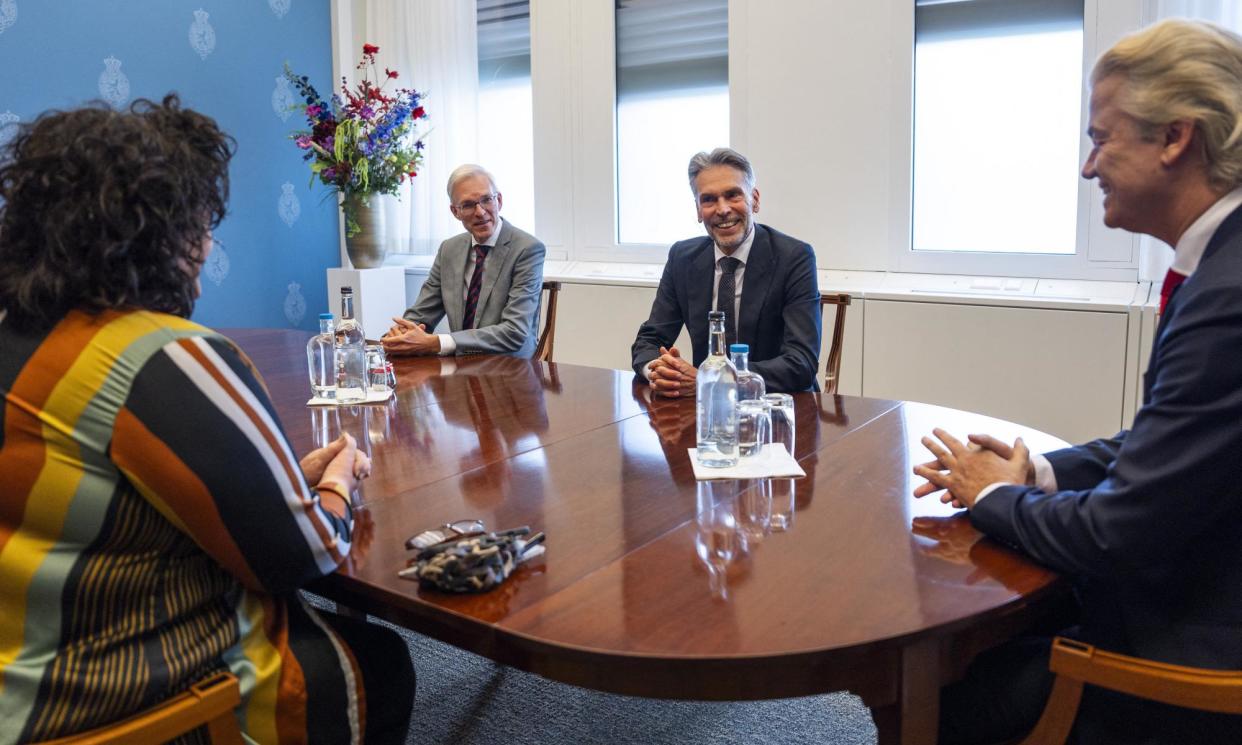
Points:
x=508, y=309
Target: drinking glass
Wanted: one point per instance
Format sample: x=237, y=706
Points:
x=783, y=490
x=754, y=427
x=380, y=375
x=781, y=406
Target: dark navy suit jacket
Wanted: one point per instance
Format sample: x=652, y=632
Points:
x=778, y=317
x=1150, y=520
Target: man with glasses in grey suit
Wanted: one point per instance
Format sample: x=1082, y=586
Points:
x=486, y=281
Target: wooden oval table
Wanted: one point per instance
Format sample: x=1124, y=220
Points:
x=867, y=589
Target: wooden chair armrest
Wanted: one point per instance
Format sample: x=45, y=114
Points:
x=209, y=703
x=1076, y=664
x=1190, y=687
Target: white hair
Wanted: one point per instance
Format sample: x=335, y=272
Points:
x=466, y=171
x=1179, y=69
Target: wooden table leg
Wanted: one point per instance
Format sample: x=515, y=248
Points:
x=915, y=717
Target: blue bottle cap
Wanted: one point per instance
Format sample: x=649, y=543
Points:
x=325, y=316
x=735, y=348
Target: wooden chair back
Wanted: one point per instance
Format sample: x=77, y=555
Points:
x=832, y=368
x=208, y=703
x=1076, y=664
x=543, y=351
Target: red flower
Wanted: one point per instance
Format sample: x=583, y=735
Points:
x=418, y=113
x=392, y=74
x=370, y=49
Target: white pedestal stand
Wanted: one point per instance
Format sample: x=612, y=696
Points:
x=379, y=294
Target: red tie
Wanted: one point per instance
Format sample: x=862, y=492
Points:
x=1171, y=280
x=476, y=282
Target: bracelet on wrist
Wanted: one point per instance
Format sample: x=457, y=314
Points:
x=338, y=490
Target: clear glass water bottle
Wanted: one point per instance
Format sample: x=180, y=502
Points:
x=749, y=383
x=351, y=356
x=716, y=399
x=321, y=359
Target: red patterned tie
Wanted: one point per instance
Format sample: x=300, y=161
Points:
x=1171, y=280
x=476, y=282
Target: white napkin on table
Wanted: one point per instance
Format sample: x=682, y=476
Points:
x=774, y=462
x=372, y=398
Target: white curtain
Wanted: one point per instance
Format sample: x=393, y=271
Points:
x=433, y=45
x=1227, y=13
x=1154, y=256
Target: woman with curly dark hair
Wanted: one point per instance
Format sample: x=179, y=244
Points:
x=154, y=522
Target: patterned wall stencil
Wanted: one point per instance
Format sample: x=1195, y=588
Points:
x=295, y=305
x=283, y=99
x=288, y=206
x=113, y=84
x=216, y=268
x=202, y=34
x=279, y=7
x=8, y=14
x=8, y=127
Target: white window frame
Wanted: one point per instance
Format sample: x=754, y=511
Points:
x=574, y=85
x=1101, y=253
x=574, y=92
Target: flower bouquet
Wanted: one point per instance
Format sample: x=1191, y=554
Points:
x=365, y=140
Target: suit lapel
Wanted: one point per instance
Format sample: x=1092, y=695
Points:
x=453, y=279
x=701, y=282
x=755, y=285
x=1228, y=231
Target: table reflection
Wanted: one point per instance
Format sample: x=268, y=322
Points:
x=716, y=539
x=369, y=424
x=501, y=399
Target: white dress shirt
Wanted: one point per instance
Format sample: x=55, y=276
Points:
x=447, y=345
x=1186, y=256
x=741, y=253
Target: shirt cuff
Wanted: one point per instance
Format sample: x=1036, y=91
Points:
x=1045, y=477
x=989, y=489
x=447, y=345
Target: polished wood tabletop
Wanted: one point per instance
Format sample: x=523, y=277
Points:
x=653, y=583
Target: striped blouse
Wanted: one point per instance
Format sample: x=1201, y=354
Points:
x=153, y=525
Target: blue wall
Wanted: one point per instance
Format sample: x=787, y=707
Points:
x=52, y=55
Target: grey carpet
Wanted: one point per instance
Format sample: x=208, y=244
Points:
x=463, y=699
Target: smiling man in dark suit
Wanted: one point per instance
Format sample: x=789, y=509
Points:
x=1147, y=522
x=486, y=281
x=762, y=279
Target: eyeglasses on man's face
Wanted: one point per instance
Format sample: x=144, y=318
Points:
x=486, y=202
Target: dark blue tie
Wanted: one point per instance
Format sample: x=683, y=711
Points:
x=724, y=297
